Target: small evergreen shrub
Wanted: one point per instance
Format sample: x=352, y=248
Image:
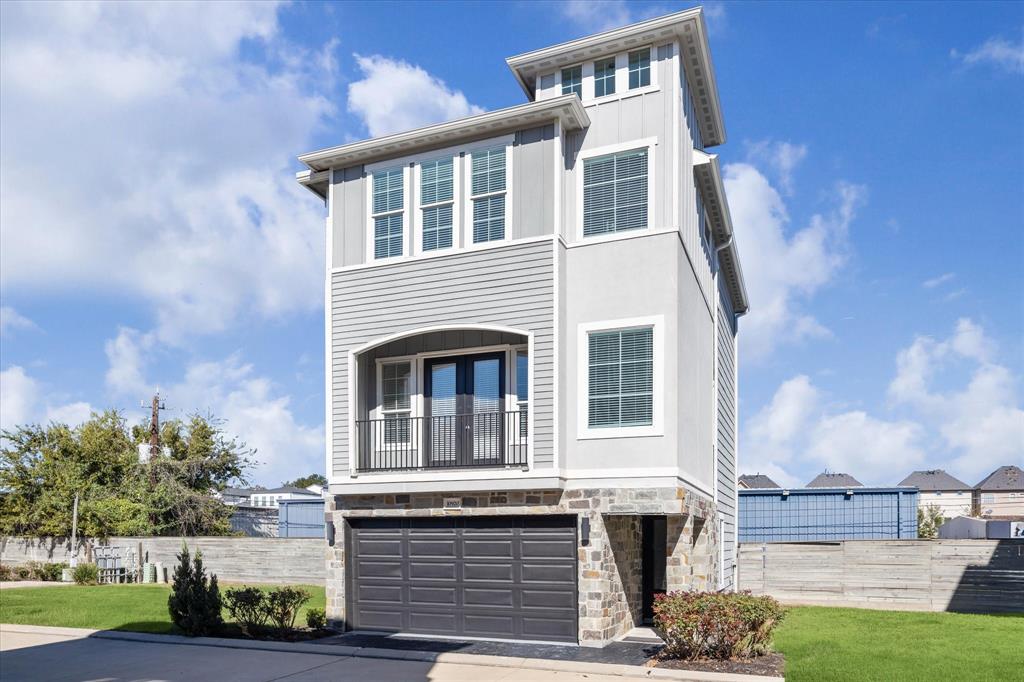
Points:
x=86, y=574
x=194, y=602
x=248, y=607
x=50, y=572
x=283, y=604
x=6, y=574
x=715, y=625
x=316, y=619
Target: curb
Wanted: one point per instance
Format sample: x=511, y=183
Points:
x=341, y=651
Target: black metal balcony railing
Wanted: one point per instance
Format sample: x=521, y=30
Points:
x=483, y=439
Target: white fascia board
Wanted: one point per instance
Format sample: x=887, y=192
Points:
x=687, y=27
x=567, y=110
x=315, y=182
x=707, y=175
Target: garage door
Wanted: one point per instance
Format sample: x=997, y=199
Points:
x=507, y=577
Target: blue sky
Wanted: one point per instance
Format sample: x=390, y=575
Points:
x=152, y=235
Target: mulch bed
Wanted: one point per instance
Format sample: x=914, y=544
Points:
x=769, y=664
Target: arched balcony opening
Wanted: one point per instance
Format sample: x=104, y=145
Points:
x=443, y=399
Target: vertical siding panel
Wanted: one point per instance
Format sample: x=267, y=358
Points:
x=726, y=429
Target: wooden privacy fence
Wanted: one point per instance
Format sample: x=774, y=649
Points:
x=929, y=575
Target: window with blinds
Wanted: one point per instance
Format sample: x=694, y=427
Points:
x=487, y=192
x=604, y=77
x=396, y=401
x=621, y=378
x=523, y=390
x=615, y=193
x=639, y=69
x=572, y=81
x=388, y=207
x=437, y=200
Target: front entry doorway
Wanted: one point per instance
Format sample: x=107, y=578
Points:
x=654, y=559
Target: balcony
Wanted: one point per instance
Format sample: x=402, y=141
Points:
x=443, y=441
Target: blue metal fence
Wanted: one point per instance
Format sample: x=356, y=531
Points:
x=815, y=514
x=300, y=518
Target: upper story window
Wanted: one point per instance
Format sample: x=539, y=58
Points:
x=639, y=68
x=604, y=77
x=437, y=203
x=487, y=192
x=387, y=213
x=621, y=378
x=615, y=192
x=572, y=81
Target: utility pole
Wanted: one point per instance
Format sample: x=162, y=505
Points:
x=74, y=533
x=154, y=443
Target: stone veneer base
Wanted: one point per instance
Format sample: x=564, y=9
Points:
x=608, y=567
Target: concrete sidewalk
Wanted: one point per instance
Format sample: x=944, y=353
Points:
x=34, y=652
x=15, y=584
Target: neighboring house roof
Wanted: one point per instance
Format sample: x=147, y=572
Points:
x=830, y=480
x=757, y=481
x=289, y=489
x=934, y=479
x=1003, y=478
x=687, y=27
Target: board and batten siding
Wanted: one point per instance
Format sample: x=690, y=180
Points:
x=726, y=432
x=510, y=286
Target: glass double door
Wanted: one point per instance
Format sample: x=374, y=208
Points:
x=464, y=409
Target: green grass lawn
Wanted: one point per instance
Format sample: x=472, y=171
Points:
x=819, y=643
x=860, y=644
x=139, y=608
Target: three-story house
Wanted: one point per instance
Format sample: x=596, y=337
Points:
x=531, y=320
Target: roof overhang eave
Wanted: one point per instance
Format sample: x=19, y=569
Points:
x=567, y=109
x=315, y=181
x=708, y=176
x=687, y=27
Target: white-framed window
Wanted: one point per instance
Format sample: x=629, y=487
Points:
x=387, y=212
x=437, y=204
x=619, y=383
x=521, y=377
x=488, y=190
x=988, y=497
x=616, y=193
x=640, y=68
x=572, y=80
x=396, y=389
x=604, y=77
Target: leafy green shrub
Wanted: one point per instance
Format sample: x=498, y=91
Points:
x=194, y=602
x=283, y=604
x=316, y=619
x=50, y=572
x=86, y=574
x=6, y=573
x=248, y=607
x=715, y=624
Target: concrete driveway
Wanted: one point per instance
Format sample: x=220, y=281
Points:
x=74, y=656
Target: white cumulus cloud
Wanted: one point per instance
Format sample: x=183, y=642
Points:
x=996, y=51
x=784, y=267
x=24, y=400
x=142, y=156
x=394, y=96
x=11, y=320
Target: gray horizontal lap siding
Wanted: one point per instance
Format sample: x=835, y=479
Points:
x=510, y=286
x=726, y=430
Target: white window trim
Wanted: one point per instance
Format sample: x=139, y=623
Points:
x=419, y=206
x=652, y=52
x=370, y=215
x=656, y=428
x=648, y=143
x=558, y=79
x=616, y=77
x=468, y=196
x=513, y=386
x=415, y=397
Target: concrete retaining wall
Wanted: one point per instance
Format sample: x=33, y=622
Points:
x=926, y=575
x=233, y=559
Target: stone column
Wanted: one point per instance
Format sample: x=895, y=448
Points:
x=335, y=558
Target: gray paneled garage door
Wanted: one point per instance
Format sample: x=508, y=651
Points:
x=507, y=577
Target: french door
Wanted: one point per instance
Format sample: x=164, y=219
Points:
x=464, y=402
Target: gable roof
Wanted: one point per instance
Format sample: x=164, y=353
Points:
x=1004, y=478
x=830, y=480
x=757, y=481
x=934, y=479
